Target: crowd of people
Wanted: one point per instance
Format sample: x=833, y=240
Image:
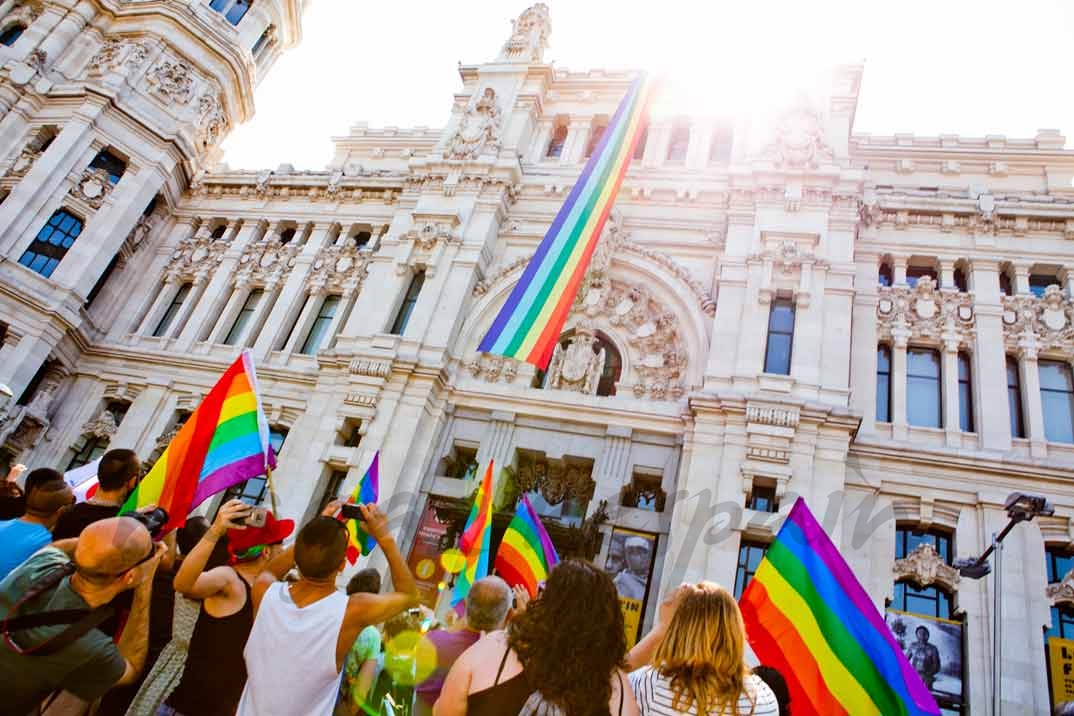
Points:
x=100, y=616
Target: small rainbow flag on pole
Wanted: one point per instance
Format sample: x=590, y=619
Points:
x=527, y=328
x=809, y=617
x=476, y=541
x=224, y=441
x=367, y=491
x=526, y=553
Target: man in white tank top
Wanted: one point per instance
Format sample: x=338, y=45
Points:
x=303, y=631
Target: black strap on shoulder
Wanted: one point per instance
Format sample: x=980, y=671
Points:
x=503, y=661
x=621, y=693
x=80, y=620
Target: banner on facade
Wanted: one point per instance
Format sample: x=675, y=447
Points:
x=630, y=560
x=424, y=558
x=1061, y=669
x=934, y=648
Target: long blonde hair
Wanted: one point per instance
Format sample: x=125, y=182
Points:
x=703, y=652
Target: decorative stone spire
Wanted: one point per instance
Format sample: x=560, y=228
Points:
x=529, y=36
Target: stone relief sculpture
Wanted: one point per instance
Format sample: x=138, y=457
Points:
x=93, y=187
x=923, y=311
x=798, y=140
x=479, y=129
x=577, y=367
x=118, y=53
x=212, y=122
x=529, y=36
x=172, y=81
x=1039, y=323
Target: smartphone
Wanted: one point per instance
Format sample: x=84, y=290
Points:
x=254, y=518
x=350, y=512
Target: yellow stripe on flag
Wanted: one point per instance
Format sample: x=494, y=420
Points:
x=237, y=405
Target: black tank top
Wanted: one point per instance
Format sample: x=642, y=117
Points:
x=215, y=672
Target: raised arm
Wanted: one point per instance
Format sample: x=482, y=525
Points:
x=366, y=609
x=643, y=651
x=191, y=580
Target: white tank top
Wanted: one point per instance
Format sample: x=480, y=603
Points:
x=291, y=656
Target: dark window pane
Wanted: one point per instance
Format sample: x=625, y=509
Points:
x=51, y=243
x=11, y=35
x=1005, y=286
x=913, y=273
x=1057, y=400
x=750, y=555
x=237, y=11
x=1014, y=399
x=965, y=394
x=110, y=163
x=883, y=384
x=319, y=329
x=780, y=338
x=960, y=280
x=884, y=275
x=402, y=318
x=555, y=144
x=173, y=309
x=1039, y=283
x=244, y=317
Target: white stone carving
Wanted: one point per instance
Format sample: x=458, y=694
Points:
x=141, y=230
x=172, y=81
x=493, y=368
x=529, y=36
x=479, y=129
x=117, y=54
x=212, y=122
x=266, y=262
x=924, y=567
x=340, y=268
x=24, y=161
x=1040, y=323
x=370, y=368
x=1061, y=592
x=195, y=259
x=93, y=187
x=924, y=312
x=578, y=366
x=102, y=426
x=798, y=140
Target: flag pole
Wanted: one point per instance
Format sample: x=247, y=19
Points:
x=271, y=490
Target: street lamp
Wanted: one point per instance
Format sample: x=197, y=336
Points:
x=6, y=391
x=1020, y=507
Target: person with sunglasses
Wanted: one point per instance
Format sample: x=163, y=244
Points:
x=111, y=556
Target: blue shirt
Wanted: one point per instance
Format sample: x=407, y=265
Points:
x=20, y=539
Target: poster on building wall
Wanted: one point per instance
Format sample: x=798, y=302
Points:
x=1061, y=669
x=424, y=557
x=934, y=648
x=630, y=560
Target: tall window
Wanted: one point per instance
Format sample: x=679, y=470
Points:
x=110, y=163
x=931, y=601
x=1059, y=561
x=722, y=140
x=87, y=449
x=1005, y=286
x=960, y=280
x=1057, y=399
x=883, y=384
x=101, y=281
x=923, y=404
x=243, y=319
x=173, y=308
x=411, y=298
x=320, y=326
x=286, y=236
x=262, y=40
x=680, y=143
x=750, y=555
x=1039, y=283
x=555, y=144
x=218, y=232
x=1014, y=398
x=232, y=10
x=9, y=36
x=777, y=357
x=52, y=242
x=253, y=491
x=884, y=275
x=915, y=273
x=596, y=132
x=332, y=486
x=965, y=393
x=639, y=148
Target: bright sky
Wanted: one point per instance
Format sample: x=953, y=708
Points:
x=931, y=66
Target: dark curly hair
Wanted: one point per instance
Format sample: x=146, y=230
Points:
x=570, y=639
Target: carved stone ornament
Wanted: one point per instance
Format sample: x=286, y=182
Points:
x=338, y=269
x=118, y=54
x=479, y=129
x=195, y=259
x=93, y=187
x=1061, y=592
x=141, y=230
x=798, y=140
x=529, y=36
x=212, y=123
x=925, y=567
x=23, y=162
x=923, y=312
x=1045, y=323
x=102, y=426
x=556, y=480
x=577, y=367
x=493, y=368
x=24, y=14
x=172, y=81
x=266, y=262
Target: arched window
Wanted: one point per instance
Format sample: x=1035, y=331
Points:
x=885, y=276
x=555, y=144
x=218, y=232
x=52, y=242
x=232, y=10
x=933, y=601
x=9, y=36
x=610, y=373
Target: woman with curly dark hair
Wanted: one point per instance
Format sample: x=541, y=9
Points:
x=562, y=656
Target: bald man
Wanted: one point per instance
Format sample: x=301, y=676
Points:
x=110, y=557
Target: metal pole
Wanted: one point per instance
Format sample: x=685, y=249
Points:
x=997, y=643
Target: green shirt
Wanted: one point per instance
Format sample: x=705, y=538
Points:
x=365, y=647
x=87, y=668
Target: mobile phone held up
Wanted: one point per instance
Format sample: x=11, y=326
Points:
x=254, y=518
x=350, y=512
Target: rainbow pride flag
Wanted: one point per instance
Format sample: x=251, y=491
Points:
x=476, y=541
x=526, y=553
x=809, y=617
x=225, y=441
x=367, y=491
x=528, y=325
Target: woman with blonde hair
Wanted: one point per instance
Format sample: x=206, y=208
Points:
x=699, y=665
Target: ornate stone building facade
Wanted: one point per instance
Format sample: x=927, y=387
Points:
x=880, y=324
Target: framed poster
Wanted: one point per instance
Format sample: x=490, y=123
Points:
x=934, y=648
x=630, y=560
x=1061, y=669
x=424, y=560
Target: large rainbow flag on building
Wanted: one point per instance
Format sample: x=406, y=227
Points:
x=526, y=553
x=809, y=617
x=224, y=441
x=528, y=325
x=367, y=491
x=476, y=541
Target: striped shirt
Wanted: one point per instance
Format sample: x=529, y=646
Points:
x=655, y=696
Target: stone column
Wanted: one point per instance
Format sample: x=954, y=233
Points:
x=373, y=310
x=39, y=29
x=949, y=380
x=498, y=444
x=947, y=274
x=1067, y=278
x=269, y=294
x=700, y=143
x=26, y=358
x=898, y=383
x=863, y=355
x=5, y=7
x=899, y=270
x=7, y=348
x=1031, y=400
x=994, y=427
x=806, y=351
x=611, y=472
x=305, y=319
x=197, y=289
x=65, y=31
x=143, y=317
x=346, y=301
x=1021, y=279
x=542, y=136
x=160, y=304
x=577, y=138
x=239, y=294
x=136, y=430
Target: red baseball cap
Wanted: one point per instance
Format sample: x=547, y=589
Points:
x=274, y=531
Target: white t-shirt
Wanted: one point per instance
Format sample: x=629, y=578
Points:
x=655, y=696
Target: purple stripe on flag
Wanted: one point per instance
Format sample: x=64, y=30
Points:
x=228, y=475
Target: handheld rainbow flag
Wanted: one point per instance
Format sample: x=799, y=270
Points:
x=225, y=441
x=526, y=553
x=809, y=617
x=527, y=328
x=367, y=491
x=476, y=540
